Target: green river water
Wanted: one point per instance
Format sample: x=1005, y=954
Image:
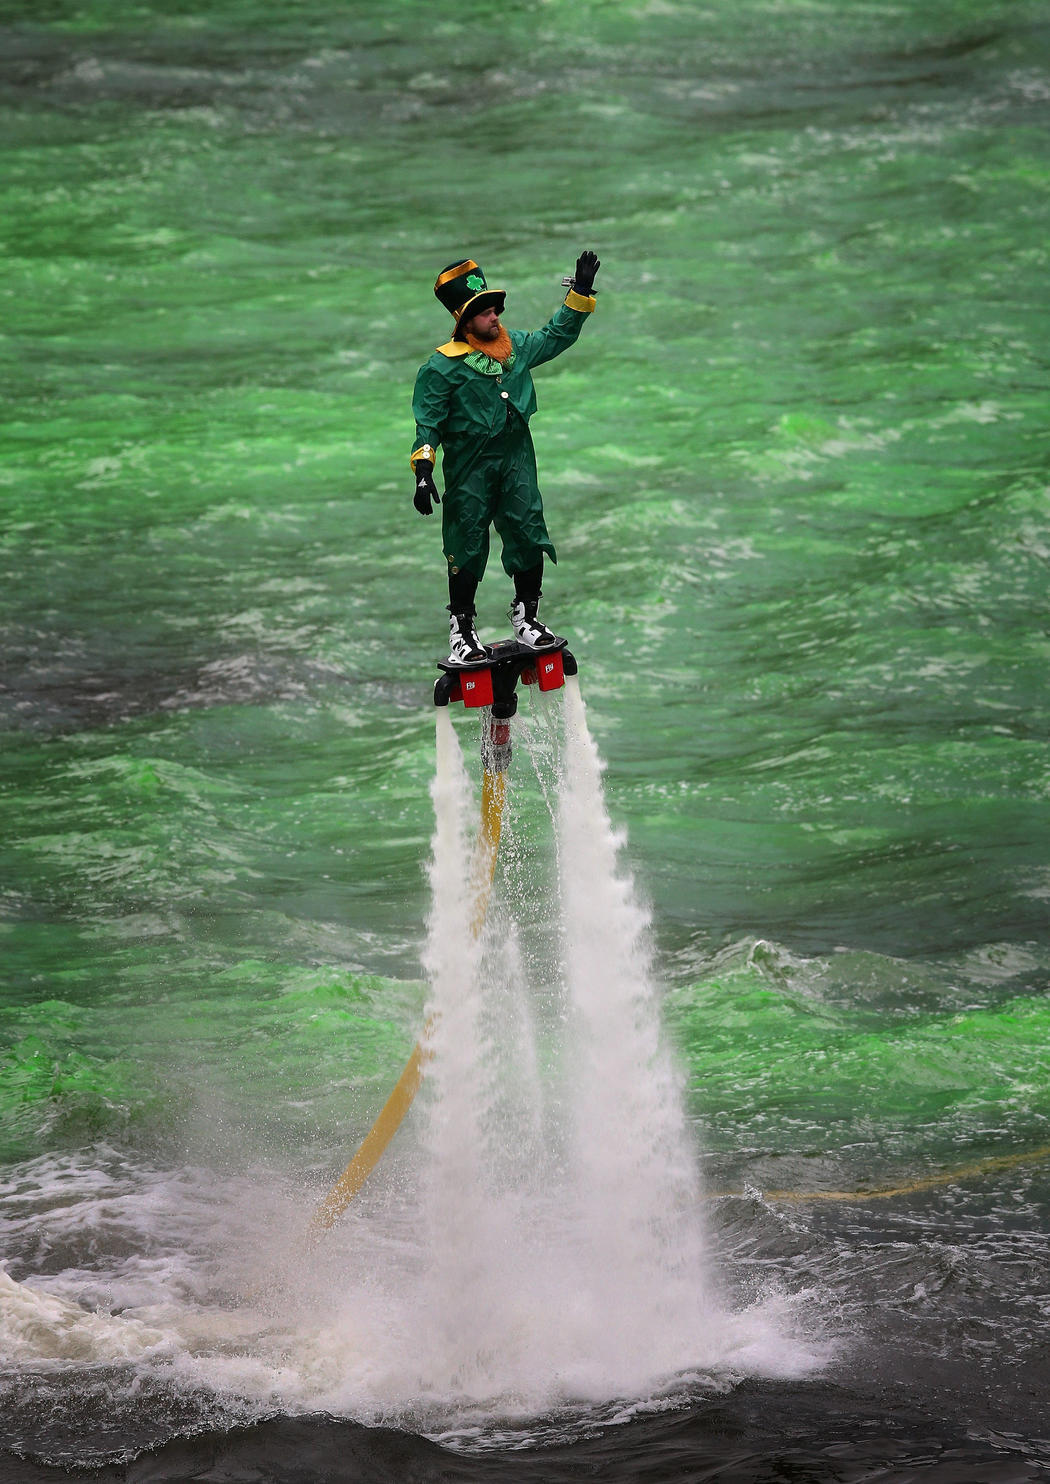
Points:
x=796, y=470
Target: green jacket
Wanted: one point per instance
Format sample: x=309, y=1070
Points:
x=453, y=403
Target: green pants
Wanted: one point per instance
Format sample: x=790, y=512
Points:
x=493, y=483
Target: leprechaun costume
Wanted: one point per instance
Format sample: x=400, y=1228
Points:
x=474, y=398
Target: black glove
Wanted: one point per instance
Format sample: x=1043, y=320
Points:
x=587, y=265
x=426, y=489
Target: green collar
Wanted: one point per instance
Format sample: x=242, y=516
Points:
x=487, y=365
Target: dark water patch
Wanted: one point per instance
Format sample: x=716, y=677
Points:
x=919, y=898
x=53, y=695
x=335, y=74
x=937, y=1296
x=943, y=1366
x=761, y=1434
x=960, y=46
x=81, y=1426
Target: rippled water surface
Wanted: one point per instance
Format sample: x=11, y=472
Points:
x=796, y=470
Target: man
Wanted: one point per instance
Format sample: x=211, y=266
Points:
x=474, y=397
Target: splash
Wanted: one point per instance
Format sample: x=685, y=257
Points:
x=531, y=1245
x=38, y=1328
x=566, y=1259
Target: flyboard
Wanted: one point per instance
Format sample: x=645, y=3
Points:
x=492, y=683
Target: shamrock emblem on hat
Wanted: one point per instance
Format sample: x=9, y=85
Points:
x=475, y=282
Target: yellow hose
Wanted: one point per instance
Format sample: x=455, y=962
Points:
x=915, y=1187
x=486, y=850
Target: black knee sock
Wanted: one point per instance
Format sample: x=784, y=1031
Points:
x=462, y=587
x=527, y=583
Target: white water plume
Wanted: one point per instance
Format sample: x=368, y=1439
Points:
x=566, y=1262
x=545, y=1253
x=633, y=1172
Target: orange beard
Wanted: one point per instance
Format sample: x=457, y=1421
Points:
x=499, y=349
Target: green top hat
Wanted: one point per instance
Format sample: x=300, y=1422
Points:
x=462, y=289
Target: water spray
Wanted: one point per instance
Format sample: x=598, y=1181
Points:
x=490, y=685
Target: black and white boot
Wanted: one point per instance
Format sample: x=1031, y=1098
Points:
x=528, y=628
x=465, y=648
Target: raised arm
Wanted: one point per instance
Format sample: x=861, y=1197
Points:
x=564, y=326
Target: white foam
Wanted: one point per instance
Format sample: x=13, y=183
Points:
x=37, y=1328
x=532, y=1241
